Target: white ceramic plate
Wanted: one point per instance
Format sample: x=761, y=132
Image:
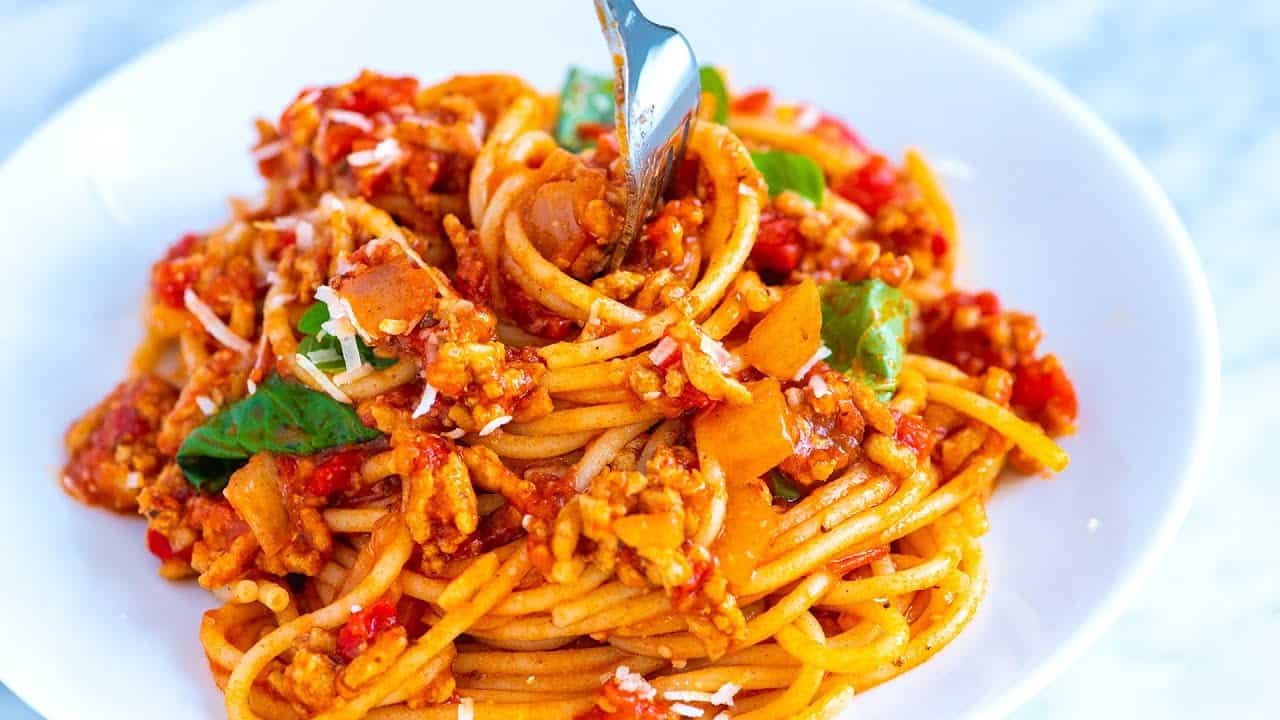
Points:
x=1056, y=214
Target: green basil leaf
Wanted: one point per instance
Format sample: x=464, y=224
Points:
x=781, y=487
x=784, y=170
x=586, y=98
x=864, y=324
x=281, y=417
x=713, y=85
x=313, y=318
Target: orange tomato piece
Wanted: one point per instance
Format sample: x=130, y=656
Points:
x=749, y=523
x=747, y=440
x=788, y=335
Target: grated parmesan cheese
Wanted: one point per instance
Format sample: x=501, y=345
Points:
x=354, y=119
x=383, y=154
x=207, y=406
x=466, y=709
x=429, y=394
x=287, y=223
x=253, y=387
x=725, y=694
x=686, y=710
x=133, y=480
x=455, y=434
x=687, y=696
x=823, y=352
x=335, y=392
x=213, y=324
x=494, y=424
x=632, y=682
x=807, y=117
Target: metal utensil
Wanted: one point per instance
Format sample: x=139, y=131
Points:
x=656, y=90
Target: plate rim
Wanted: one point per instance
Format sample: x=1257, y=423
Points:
x=1203, y=322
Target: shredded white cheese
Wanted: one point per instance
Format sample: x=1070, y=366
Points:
x=269, y=150
x=133, y=480
x=354, y=119
x=821, y=354
x=686, y=710
x=341, y=328
x=663, y=351
x=651, y=395
x=725, y=694
x=383, y=154
x=321, y=379
x=213, y=324
x=287, y=223
x=494, y=424
x=632, y=682
x=207, y=406
x=429, y=394
x=455, y=434
x=253, y=387
x=466, y=709
x=355, y=608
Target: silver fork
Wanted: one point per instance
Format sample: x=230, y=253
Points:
x=657, y=91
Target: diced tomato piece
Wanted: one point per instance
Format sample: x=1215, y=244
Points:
x=939, y=245
x=618, y=704
x=1042, y=385
x=913, y=432
x=363, y=626
x=871, y=186
x=752, y=102
x=182, y=247
x=779, y=243
x=338, y=141
x=159, y=546
x=835, y=129
x=334, y=474
x=171, y=278
x=372, y=93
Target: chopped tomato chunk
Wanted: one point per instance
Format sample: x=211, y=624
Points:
x=1042, y=385
x=334, y=474
x=752, y=102
x=871, y=186
x=616, y=703
x=913, y=432
x=833, y=128
x=363, y=626
x=779, y=244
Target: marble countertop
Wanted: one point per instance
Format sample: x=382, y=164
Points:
x=1192, y=87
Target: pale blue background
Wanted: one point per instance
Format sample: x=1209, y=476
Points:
x=1194, y=87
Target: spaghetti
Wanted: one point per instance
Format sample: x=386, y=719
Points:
x=439, y=462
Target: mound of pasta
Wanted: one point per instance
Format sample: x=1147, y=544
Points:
x=441, y=455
